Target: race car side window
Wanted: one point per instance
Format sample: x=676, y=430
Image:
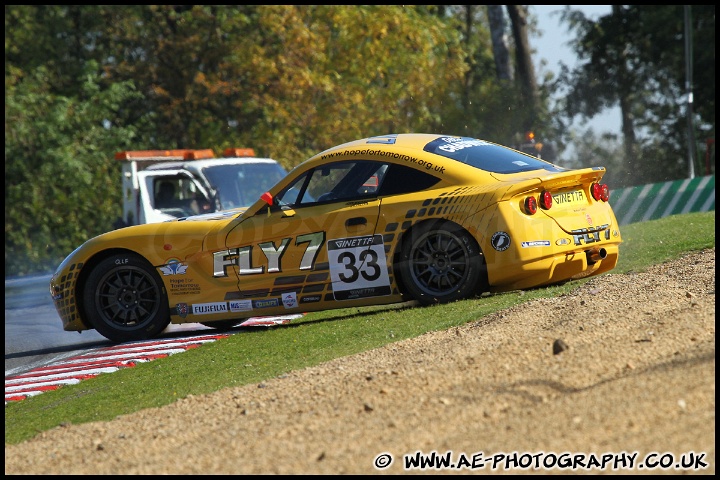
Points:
x=400, y=179
x=340, y=181
x=296, y=193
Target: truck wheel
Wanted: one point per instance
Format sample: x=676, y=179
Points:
x=440, y=262
x=125, y=299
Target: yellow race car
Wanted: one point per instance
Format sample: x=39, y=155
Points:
x=426, y=217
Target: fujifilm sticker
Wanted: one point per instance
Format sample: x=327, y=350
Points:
x=209, y=308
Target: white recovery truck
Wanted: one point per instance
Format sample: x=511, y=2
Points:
x=160, y=185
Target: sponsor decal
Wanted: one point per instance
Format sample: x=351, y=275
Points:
x=590, y=235
x=351, y=242
x=182, y=309
x=310, y=299
x=500, y=241
x=536, y=243
x=453, y=144
x=576, y=196
x=363, y=292
x=290, y=300
x=383, y=153
x=270, y=302
x=589, y=219
x=240, y=305
x=209, y=308
x=184, y=286
x=562, y=241
x=174, y=267
x=358, y=267
x=308, y=243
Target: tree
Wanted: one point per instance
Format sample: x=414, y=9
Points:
x=83, y=82
x=501, y=52
x=61, y=186
x=499, y=99
x=525, y=69
x=635, y=58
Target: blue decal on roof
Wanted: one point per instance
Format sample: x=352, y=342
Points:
x=487, y=156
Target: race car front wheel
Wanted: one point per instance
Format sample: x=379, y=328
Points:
x=125, y=299
x=440, y=262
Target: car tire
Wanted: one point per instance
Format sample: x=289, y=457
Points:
x=441, y=262
x=125, y=299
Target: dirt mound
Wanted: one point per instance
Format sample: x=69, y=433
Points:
x=623, y=365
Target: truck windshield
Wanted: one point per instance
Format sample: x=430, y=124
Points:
x=240, y=185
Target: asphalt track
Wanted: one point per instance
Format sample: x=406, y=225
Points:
x=113, y=358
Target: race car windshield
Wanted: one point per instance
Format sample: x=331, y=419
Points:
x=242, y=185
x=487, y=156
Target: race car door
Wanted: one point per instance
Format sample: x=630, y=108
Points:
x=317, y=243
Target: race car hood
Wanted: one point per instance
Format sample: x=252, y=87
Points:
x=155, y=241
x=222, y=215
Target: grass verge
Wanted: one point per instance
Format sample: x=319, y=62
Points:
x=253, y=355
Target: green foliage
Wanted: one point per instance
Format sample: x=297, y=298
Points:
x=253, y=355
x=83, y=82
x=635, y=58
x=61, y=186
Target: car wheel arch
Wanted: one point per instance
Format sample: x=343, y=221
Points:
x=425, y=225
x=85, y=272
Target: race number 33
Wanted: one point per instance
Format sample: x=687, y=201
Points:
x=358, y=267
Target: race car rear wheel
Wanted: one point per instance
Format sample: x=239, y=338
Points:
x=441, y=262
x=125, y=299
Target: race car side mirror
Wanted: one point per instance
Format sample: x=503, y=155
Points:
x=271, y=202
x=268, y=198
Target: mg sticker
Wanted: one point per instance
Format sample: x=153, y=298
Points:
x=240, y=305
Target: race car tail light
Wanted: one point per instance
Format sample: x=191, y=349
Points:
x=600, y=191
x=546, y=200
x=531, y=205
